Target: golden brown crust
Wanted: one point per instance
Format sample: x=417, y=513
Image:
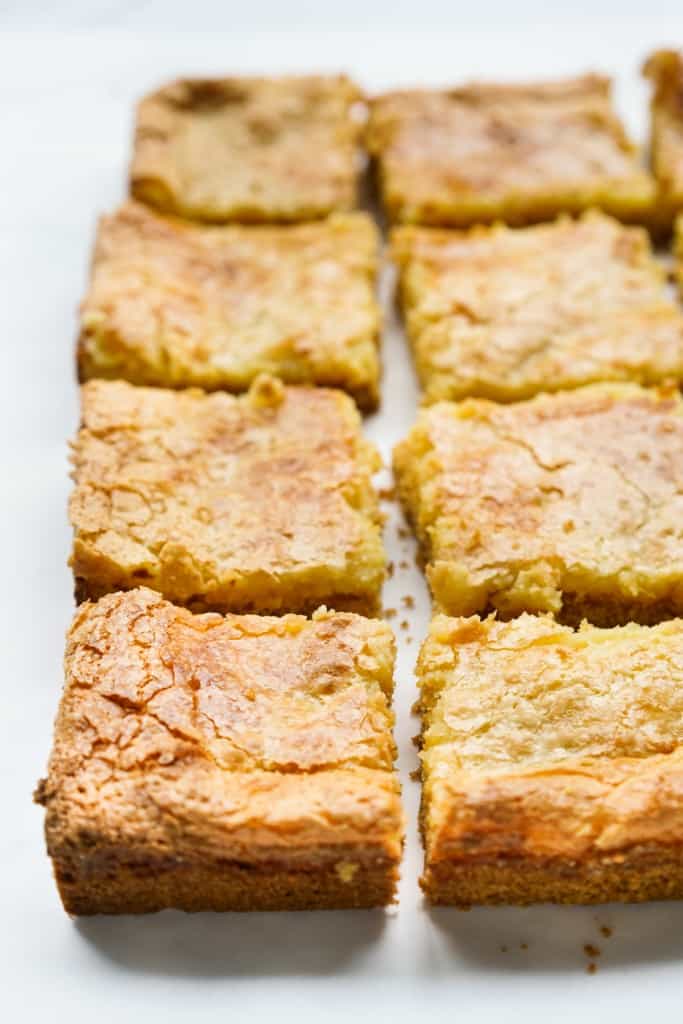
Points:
x=517, y=153
x=568, y=503
x=258, y=503
x=504, y=313
x=187, y=743
x=249, y=149
x=174, y=304
x=553, y=756
x=665, y=70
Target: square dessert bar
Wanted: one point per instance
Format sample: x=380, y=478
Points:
x=504, y=313
x=552, y=762
x=569, y=503
x=259, y=503
x=209, y=763
x=175, y=304
x=665, y=71
x=516, y=153
x=249, y=149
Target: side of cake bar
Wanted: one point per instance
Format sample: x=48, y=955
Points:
x=665, y=70
x=569, y=503
x=249, y=149
x=175, y=304
x=504, y=313
x=516, y=153
x=209, y=763
x=262, y=502
x=552, y=762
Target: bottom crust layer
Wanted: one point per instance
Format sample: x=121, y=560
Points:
x=237, y=887
x=636, y=876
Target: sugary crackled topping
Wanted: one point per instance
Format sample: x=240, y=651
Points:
x=589, y=482
x=249, y=147
x=665, y=70
x=150, y=685
x=512, y=695
x=176, y=302
x=504, y=313
x=275, y=480
x=540, y=277
x=497, y=140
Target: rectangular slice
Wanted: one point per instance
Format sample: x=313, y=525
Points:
x=504, y=313
x=552, y=762
x=516, y=153
x=259, y=503
x=249, y=149
x=569, y=503
x=174, y=304
x=210, y=763
x=665, y=70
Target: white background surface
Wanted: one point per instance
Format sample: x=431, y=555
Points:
x=69, y=74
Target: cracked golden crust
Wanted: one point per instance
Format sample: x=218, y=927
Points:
x=198, y=743
x=552, y=761
x=517, y=153
x=504, y=313
x=569, y=503
x=249, y=149
x=174, y=304
x=665, y=70
x=258, y=503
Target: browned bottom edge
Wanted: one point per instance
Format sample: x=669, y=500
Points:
x=635, y=876
x=225, y=887
x=369, y=606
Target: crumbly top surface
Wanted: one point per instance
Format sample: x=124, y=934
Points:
x=538, y=277
x=665, y=70
x=543, y=742
x=498, y=140
x=174, y=301
x=249, y=148
x=501, y=695
x=275, y=481
x=503, y=313
x=587, y=483
x=175, y=727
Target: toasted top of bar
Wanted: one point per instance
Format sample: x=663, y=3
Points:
x=541, y=277
x=201, y=495
x=505, y=313
x=505, y=144
x=539, y=740
x=581, y=491
x=198, y=733
x=527, y=692
x=665, y=70
x=176, y=303
x=252, y=149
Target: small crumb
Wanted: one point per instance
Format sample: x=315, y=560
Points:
x=606, y=931
x=389, y=613
x=387, y=493
x=405, y=624
x=409, y=640
x=591, y=950
x=390, y=570
x=403, y=532
x=403, y=564
x=503, y=949
x=591, y=969
x=523, y=945
x=408, y=601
